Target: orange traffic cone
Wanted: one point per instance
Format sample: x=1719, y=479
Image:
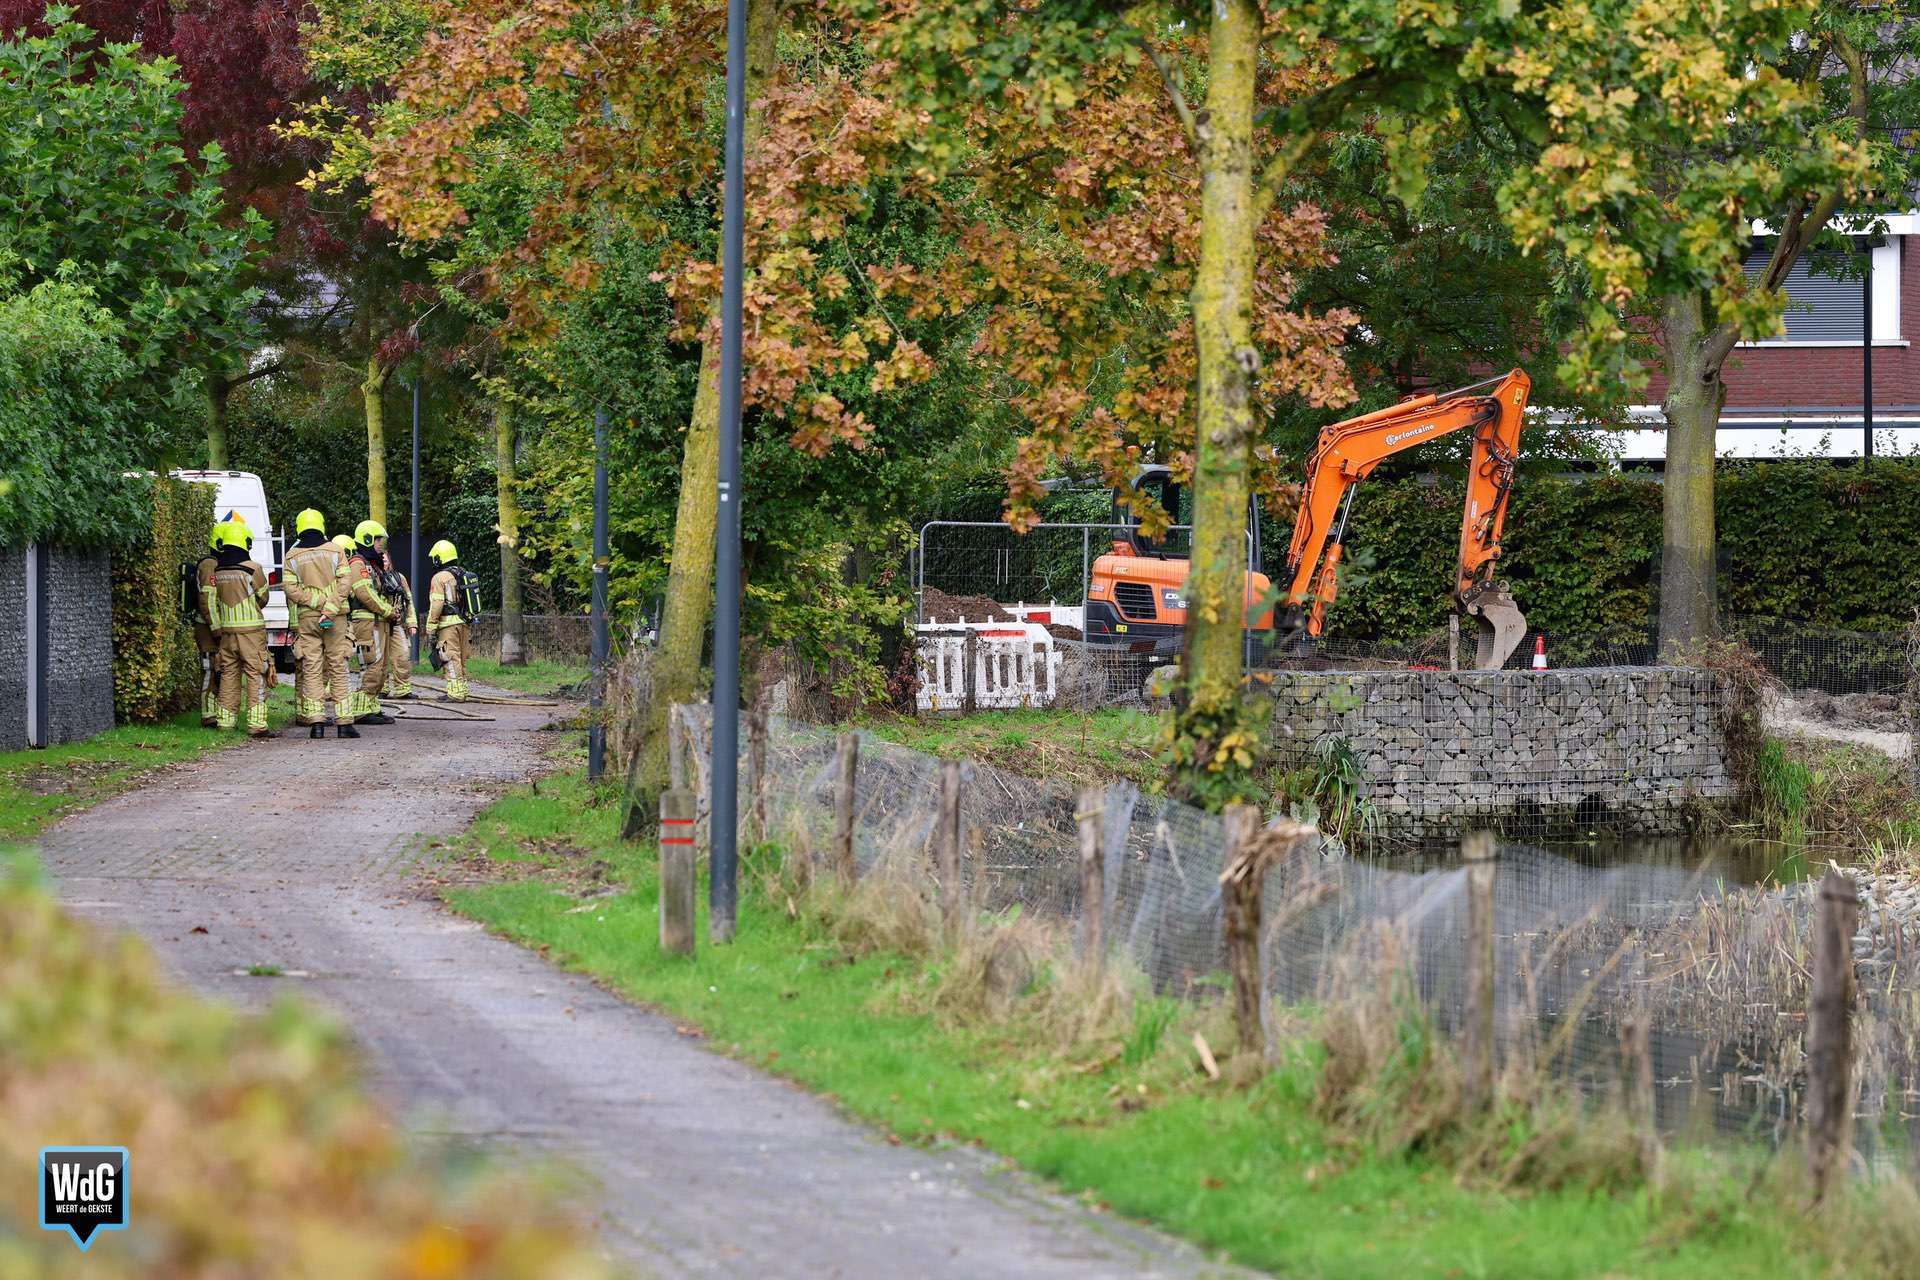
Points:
x=1539, y=653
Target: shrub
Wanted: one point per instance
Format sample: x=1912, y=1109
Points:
x=253, y=1147
x=155, y=669
x=67, y=436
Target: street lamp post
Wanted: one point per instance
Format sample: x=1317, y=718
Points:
x=413, y=550
x=722, y=898
x=596, y=686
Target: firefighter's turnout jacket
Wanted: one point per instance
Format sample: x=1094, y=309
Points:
x=314, y=582
x=447, y=629
x=233, y=602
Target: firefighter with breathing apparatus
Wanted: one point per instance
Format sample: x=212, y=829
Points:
x=373, y=612
x=453, y=603
x=314, y=582
x=232, y=601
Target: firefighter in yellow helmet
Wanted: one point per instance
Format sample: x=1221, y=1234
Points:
x=312, y=578
x=447, y=619
x=373, y=613
x=233, y=601
x=203, y=638
x=398, y=639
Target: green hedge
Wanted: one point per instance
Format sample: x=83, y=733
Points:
x=156, y=672
x=68, y=433
x=1808, y=541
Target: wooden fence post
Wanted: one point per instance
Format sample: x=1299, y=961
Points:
x=1830, y=1031
x=953, y=894
x=676, y=872
x=848, y=760
x=970, y=657
x=1093, y=875
x=1636, y=1050
x=1240, y=878
x=757, y=766
x=676, y=749
x=1477, y=851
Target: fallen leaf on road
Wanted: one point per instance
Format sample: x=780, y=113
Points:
x=199, y=928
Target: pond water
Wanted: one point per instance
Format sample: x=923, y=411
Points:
x=1700, y=935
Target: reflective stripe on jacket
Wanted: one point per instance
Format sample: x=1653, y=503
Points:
x=367, y=603
x=443, y=602
x=235, y=598
x=311, y=580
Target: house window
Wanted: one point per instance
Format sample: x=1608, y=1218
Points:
x=1822, y=308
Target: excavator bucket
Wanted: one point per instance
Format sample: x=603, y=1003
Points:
x=1502, y=626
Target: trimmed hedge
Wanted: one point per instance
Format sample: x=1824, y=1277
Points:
x=1810, y=541
x=156, y=671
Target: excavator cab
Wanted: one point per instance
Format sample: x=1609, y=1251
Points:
x=1136, y=592
x=1175, y=499
x=1347, y=452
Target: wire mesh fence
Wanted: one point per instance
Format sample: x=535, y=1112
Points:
x=545, y=637
x=1703, y=946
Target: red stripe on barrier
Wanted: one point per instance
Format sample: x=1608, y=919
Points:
x=675, y=840
x=676, y=822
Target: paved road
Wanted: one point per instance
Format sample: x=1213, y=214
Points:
x=698, y=1166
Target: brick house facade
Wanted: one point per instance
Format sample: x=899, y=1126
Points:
x=1801, y=395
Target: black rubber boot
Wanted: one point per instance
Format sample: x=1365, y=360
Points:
x=345, y=731
x=376, y=718
x=317, y=731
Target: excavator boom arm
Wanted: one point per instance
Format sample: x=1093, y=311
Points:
x=1347, y=452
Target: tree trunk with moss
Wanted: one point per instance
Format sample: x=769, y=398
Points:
x=1211, y=749
x=219, y=392
x=1695, y=394
x=373, y=394
x=689, y=596
x=1696, y=347
x=513, y=650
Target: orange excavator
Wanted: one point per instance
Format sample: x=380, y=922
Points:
x=1347, y=452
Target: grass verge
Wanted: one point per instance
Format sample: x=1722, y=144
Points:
x=38, y=788
x=1073, y=746
x=1254, y=1172
x=1853, y=800
x=545, y=678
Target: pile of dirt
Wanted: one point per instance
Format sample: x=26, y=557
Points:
x=935, y=603
x=1853, y=710
x=1061, y=631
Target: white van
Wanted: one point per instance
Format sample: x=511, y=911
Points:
x=240, y=493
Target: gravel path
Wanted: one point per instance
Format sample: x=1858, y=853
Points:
x=297, y=853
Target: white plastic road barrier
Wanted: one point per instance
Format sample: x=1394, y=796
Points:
x=1015, y=664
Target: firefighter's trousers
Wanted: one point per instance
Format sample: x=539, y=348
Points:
x=451, y=640
x=209, y=647
x=244, y=660
x=397, y=654
x=320, y=667
x=369, y=643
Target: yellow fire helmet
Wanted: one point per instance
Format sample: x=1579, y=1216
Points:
x=345, y=544
x=231, y=533
x=309, y=520
x=367, y=531
x=443, y=552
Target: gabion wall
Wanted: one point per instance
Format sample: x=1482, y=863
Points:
x=1531, y=753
